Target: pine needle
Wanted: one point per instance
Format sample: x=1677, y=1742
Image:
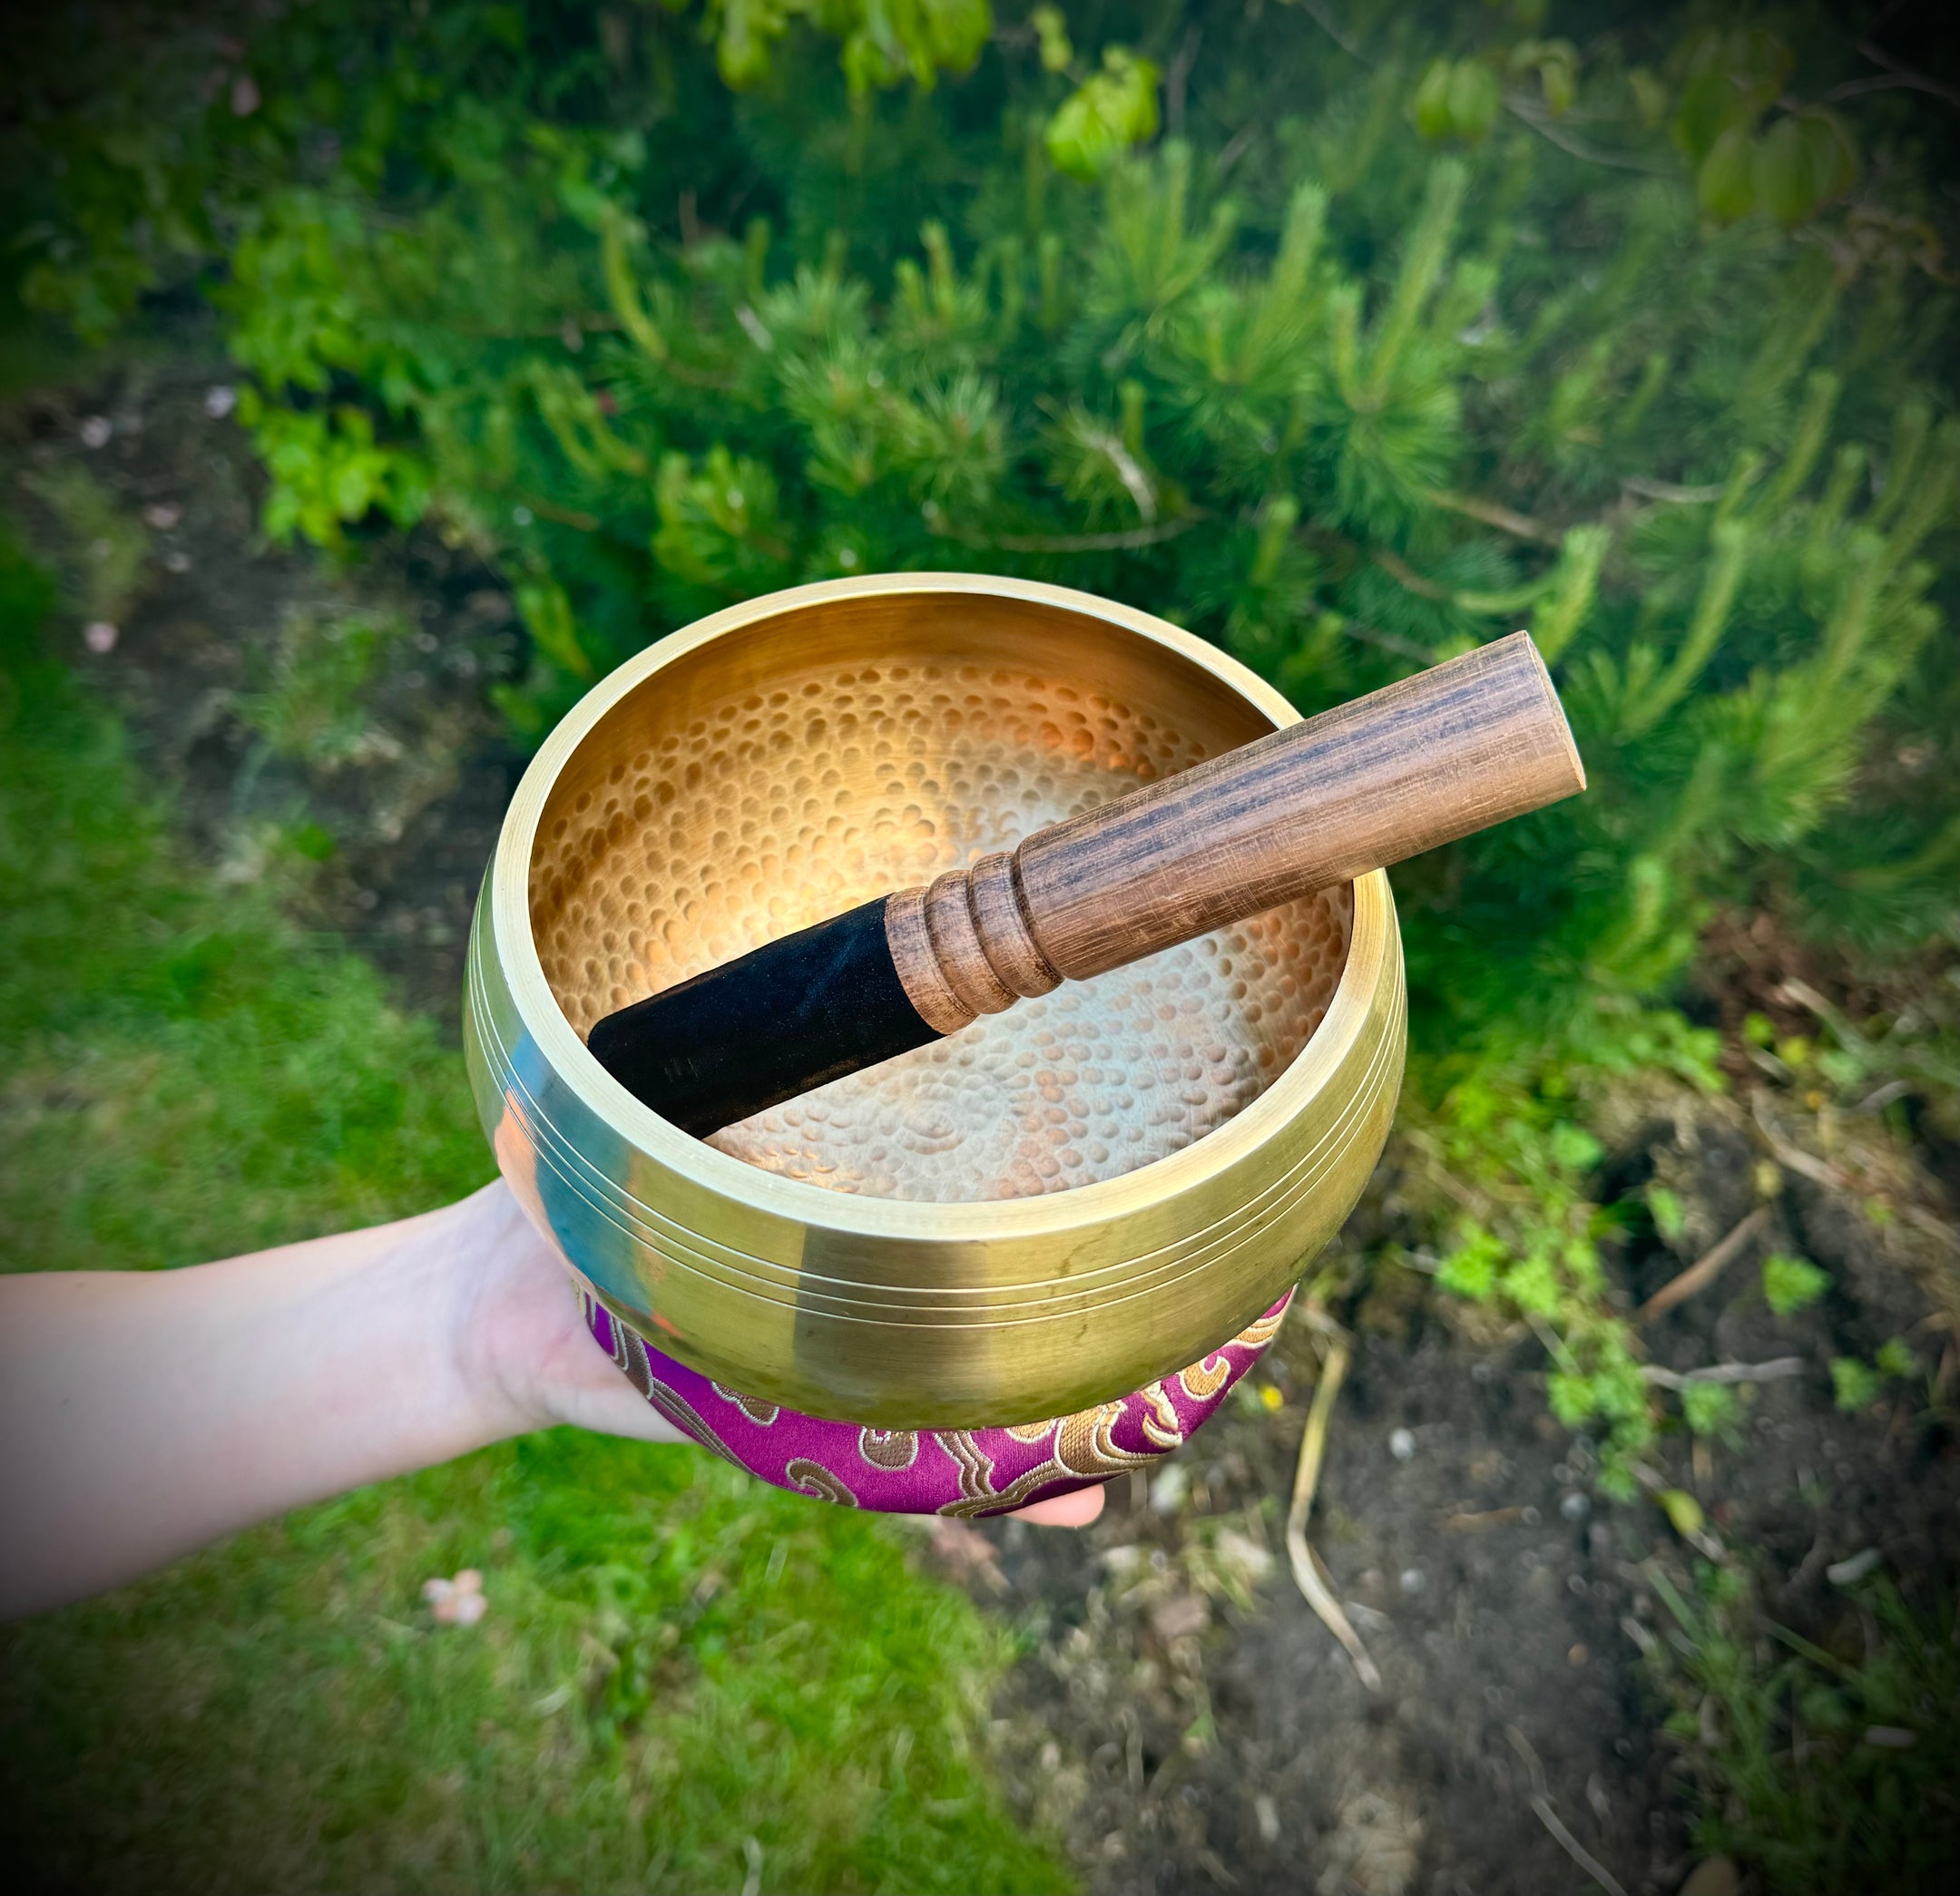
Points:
x=1308, y=1575
x=1542, y=1807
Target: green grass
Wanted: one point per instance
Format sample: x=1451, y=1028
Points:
x=679, y=1666
x=1826, y=1771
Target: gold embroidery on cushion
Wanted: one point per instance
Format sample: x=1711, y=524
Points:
x=1256, y=1336
x=1030, y=1432
x=888, y=1448
x=683, y=1415
x=1163, y=1426
x=975, y=1464
x=1085, y=1444
x=808, y=1477
x=1204, y=1379
x=760, y=1412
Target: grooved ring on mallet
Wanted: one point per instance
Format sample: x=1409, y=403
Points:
x=1000, y=919
x=949, y=925
x=925, y=986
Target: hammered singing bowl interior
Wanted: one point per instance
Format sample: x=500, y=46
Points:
x=1049, y=1210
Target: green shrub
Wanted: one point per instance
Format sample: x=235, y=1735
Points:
x=1399, y=341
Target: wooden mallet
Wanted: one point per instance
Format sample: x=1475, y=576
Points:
x=1452, y=751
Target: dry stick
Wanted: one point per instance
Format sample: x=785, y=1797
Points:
x=1774, y=1370
x=1700, y=1274
x=1541, y=1803
x=1820, y=1171
x=1307, y=1575
x=1520, y=526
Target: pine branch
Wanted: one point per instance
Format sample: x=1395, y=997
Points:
x=1493, y=513
x=1127, y=540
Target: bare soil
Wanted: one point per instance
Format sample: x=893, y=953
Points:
x=1179, y=1712
x=1191, y=1742
x=394, y=826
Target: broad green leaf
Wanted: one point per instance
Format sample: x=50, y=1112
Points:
x=1052, y=30
x=1431, y=101
x=1723, y=185
x=1107, y=113
x=1781, y=174
x=1682, y=1510
x=1833, y=159
x=1474, y=96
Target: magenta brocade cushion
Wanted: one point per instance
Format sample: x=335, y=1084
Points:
x=961, y=1472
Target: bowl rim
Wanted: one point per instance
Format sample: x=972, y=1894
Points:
x=928, y=1221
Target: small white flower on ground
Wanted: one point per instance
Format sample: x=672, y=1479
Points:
x=220, y=399
x=1402, y=1443
x=460, y=1601
x=100, y=635
x=96, y=429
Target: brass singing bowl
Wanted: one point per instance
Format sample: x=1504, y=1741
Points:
x=1047, y=1211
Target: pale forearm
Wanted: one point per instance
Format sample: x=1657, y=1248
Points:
x=146, y=1414
x=142, y=1415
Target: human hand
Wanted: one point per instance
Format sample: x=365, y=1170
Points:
x=522, y=1344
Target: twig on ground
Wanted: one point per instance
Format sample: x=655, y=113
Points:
x=1306, y=1574
x=1704, y=1271
x=1461, y=1523
x=1541, y=1803
x=1820, y=1171
x=1774, y=1370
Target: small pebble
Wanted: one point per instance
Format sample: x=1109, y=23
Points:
x=162, y=516
x=1267, y=1814
x=96, y=430
x=1576, y=1506
x=1414, y=1579
x=100, y=635
x=1530, y=1516
x=220, y=399
x=1402, y=1443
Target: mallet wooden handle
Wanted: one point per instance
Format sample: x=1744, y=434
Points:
x=1453, y=749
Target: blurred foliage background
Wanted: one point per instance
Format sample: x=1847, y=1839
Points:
x=1346, y=336
x=1347, y=344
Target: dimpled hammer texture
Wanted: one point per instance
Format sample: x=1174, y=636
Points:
x=829, y=788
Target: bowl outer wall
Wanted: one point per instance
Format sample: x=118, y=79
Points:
x=898, y=1314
